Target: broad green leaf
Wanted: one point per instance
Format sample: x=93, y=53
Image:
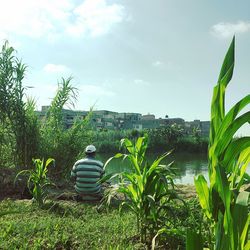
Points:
x=128, y=145
x=232, y=114
x=119, y=155
x=229, y=133
x=156, y=163
x=134, y=164
x=138, y=144
x=108, y=177
x=243, y=163
x=233, y=151
x=240, y=208
x=247, y=246
x=224, y=193
x=244, y=235
x=226, y=72
x=203, y=193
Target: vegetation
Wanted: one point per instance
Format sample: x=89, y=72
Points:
x=150, y=212
x=65, y=225
x=159, y=140
x=18, y=141
x=38, y=180
x=71, y=225
x=23, y=135
x=148, y=188
x=55, y=138
x=224, y=202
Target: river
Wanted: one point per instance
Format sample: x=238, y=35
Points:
x=185, y=165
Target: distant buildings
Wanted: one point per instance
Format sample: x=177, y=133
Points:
x=109, y=120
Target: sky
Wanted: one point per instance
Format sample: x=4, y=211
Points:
x=156, y=56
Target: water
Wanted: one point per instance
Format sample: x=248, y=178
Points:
x=186, y=165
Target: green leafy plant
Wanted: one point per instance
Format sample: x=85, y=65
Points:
x=224, y=201
x=55, y=137
x=15, y=113
x=147, y=188
x=38, y=180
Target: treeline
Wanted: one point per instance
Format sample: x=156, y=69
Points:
x=160, y=140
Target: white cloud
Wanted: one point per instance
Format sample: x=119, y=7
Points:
x=55, y=68
x=227, y=30
x=95, y=17
x=51, y=19
x=95, y=91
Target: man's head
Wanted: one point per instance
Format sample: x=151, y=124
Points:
x=90, y=150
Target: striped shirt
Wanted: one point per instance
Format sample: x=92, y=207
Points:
x=87, y=172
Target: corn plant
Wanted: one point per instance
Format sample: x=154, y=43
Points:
x=38, y=180
x=147, y=188
x=224, y=201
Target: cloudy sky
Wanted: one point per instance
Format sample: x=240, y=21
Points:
x=154, y=56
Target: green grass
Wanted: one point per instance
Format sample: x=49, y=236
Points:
x=67, y=225
x=72, y=225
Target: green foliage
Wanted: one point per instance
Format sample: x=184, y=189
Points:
x=169, y=135
x=15, y=114
x=55, y=137
x=38, y=180
x=65, y=225
x=159, y=140
x=23, y=136
x=71, y=225
x=223, y=201
x=148, y=188
x=108, y=141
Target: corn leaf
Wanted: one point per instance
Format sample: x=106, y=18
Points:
x=203, y=193
x=229, y=133
x=232, y=114
x=233, y=151
x=226, y=72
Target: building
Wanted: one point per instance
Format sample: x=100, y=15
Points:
x=109, y=120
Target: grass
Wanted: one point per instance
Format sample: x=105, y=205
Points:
x=72, y=225
x=67, y=225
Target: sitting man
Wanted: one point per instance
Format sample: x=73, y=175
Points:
x=86, y=173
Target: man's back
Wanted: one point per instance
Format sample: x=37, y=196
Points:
x=87, y=173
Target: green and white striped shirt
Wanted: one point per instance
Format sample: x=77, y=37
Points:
x=87, y=172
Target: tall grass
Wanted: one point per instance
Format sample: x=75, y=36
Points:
x=64, y=145
x=23, y=136
x=224, y=201
x=14, y=116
